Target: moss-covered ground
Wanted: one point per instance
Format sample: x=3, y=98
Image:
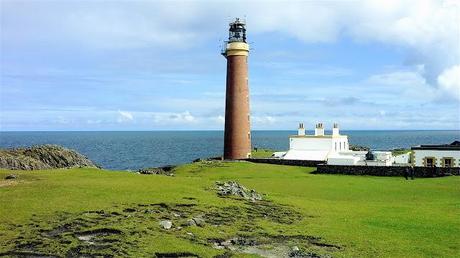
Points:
x=92, y=212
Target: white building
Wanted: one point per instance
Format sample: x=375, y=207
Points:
x=318, y=146
x=334, y=149
x=402, y=159
x=446, y=155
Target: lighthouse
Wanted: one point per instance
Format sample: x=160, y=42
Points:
x=237, y=135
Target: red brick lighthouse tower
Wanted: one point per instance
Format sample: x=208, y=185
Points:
x=237, y=138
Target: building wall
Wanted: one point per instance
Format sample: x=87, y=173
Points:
x=362, y=170
x=339, y=144
x=419, y=157
x=319, y=143
x=385, y=170
x=342, y=160
x=313, y=143
x=287, y=162
x=402, y=159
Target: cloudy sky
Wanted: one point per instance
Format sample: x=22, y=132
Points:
x=156, y=65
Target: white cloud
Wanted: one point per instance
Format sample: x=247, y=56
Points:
x=449, y=81
x=263, y=120
x=427, y=30
x=407, y=85
x=174, y=118
x=124, y=116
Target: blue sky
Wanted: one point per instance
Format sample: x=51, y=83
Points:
x=156, y=65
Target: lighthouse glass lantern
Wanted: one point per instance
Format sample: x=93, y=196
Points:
x=237, y=31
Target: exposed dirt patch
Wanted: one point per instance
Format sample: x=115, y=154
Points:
x=98, y=236
x=4, y=183
x=116, y=232
x=271, y=245
x=27, y=254
x=174, y=255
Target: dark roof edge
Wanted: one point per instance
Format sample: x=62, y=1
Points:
x=436, y=147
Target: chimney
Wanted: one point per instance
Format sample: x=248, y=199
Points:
x=301, y=131
x=319, y=129
x=335, y=130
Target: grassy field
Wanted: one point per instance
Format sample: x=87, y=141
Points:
x=262, y=153
x=97, y=212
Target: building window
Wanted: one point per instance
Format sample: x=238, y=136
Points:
x=429, y=162
x=448, y=162
x=340, y=146
x=335, y=146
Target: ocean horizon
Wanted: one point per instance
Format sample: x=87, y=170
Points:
x=132, y=150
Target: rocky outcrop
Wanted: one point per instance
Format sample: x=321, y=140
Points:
x=166, y=170
x=42, y=157
x=232, y=188
x=358, y=148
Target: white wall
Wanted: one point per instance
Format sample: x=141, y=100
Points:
x=438, y=154
x=342, y=160
x=339, y=144
x=375, y=163
x=310, y=143
x=402, y=159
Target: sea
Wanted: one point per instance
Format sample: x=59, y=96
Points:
x=132, y=150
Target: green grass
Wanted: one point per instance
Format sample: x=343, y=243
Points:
x=262, y=153
x=365, y=216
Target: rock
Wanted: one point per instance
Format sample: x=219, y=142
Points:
x=166, y=170
x=199, y=222
x=235, y=189
x=11, y=176
x=218, y=246
x=302, y=254
x=295, y=249
x=166, y=224
x=190, y=222
x=358, y=148
x=42, y=157
x=226, y=243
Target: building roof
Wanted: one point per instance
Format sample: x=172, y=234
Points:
x=453, y=146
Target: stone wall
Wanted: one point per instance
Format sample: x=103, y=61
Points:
x=385, y=170
x=288, y=162
x=322, y=168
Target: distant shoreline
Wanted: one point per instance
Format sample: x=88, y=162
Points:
x=133, y=150
x=257, y=130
